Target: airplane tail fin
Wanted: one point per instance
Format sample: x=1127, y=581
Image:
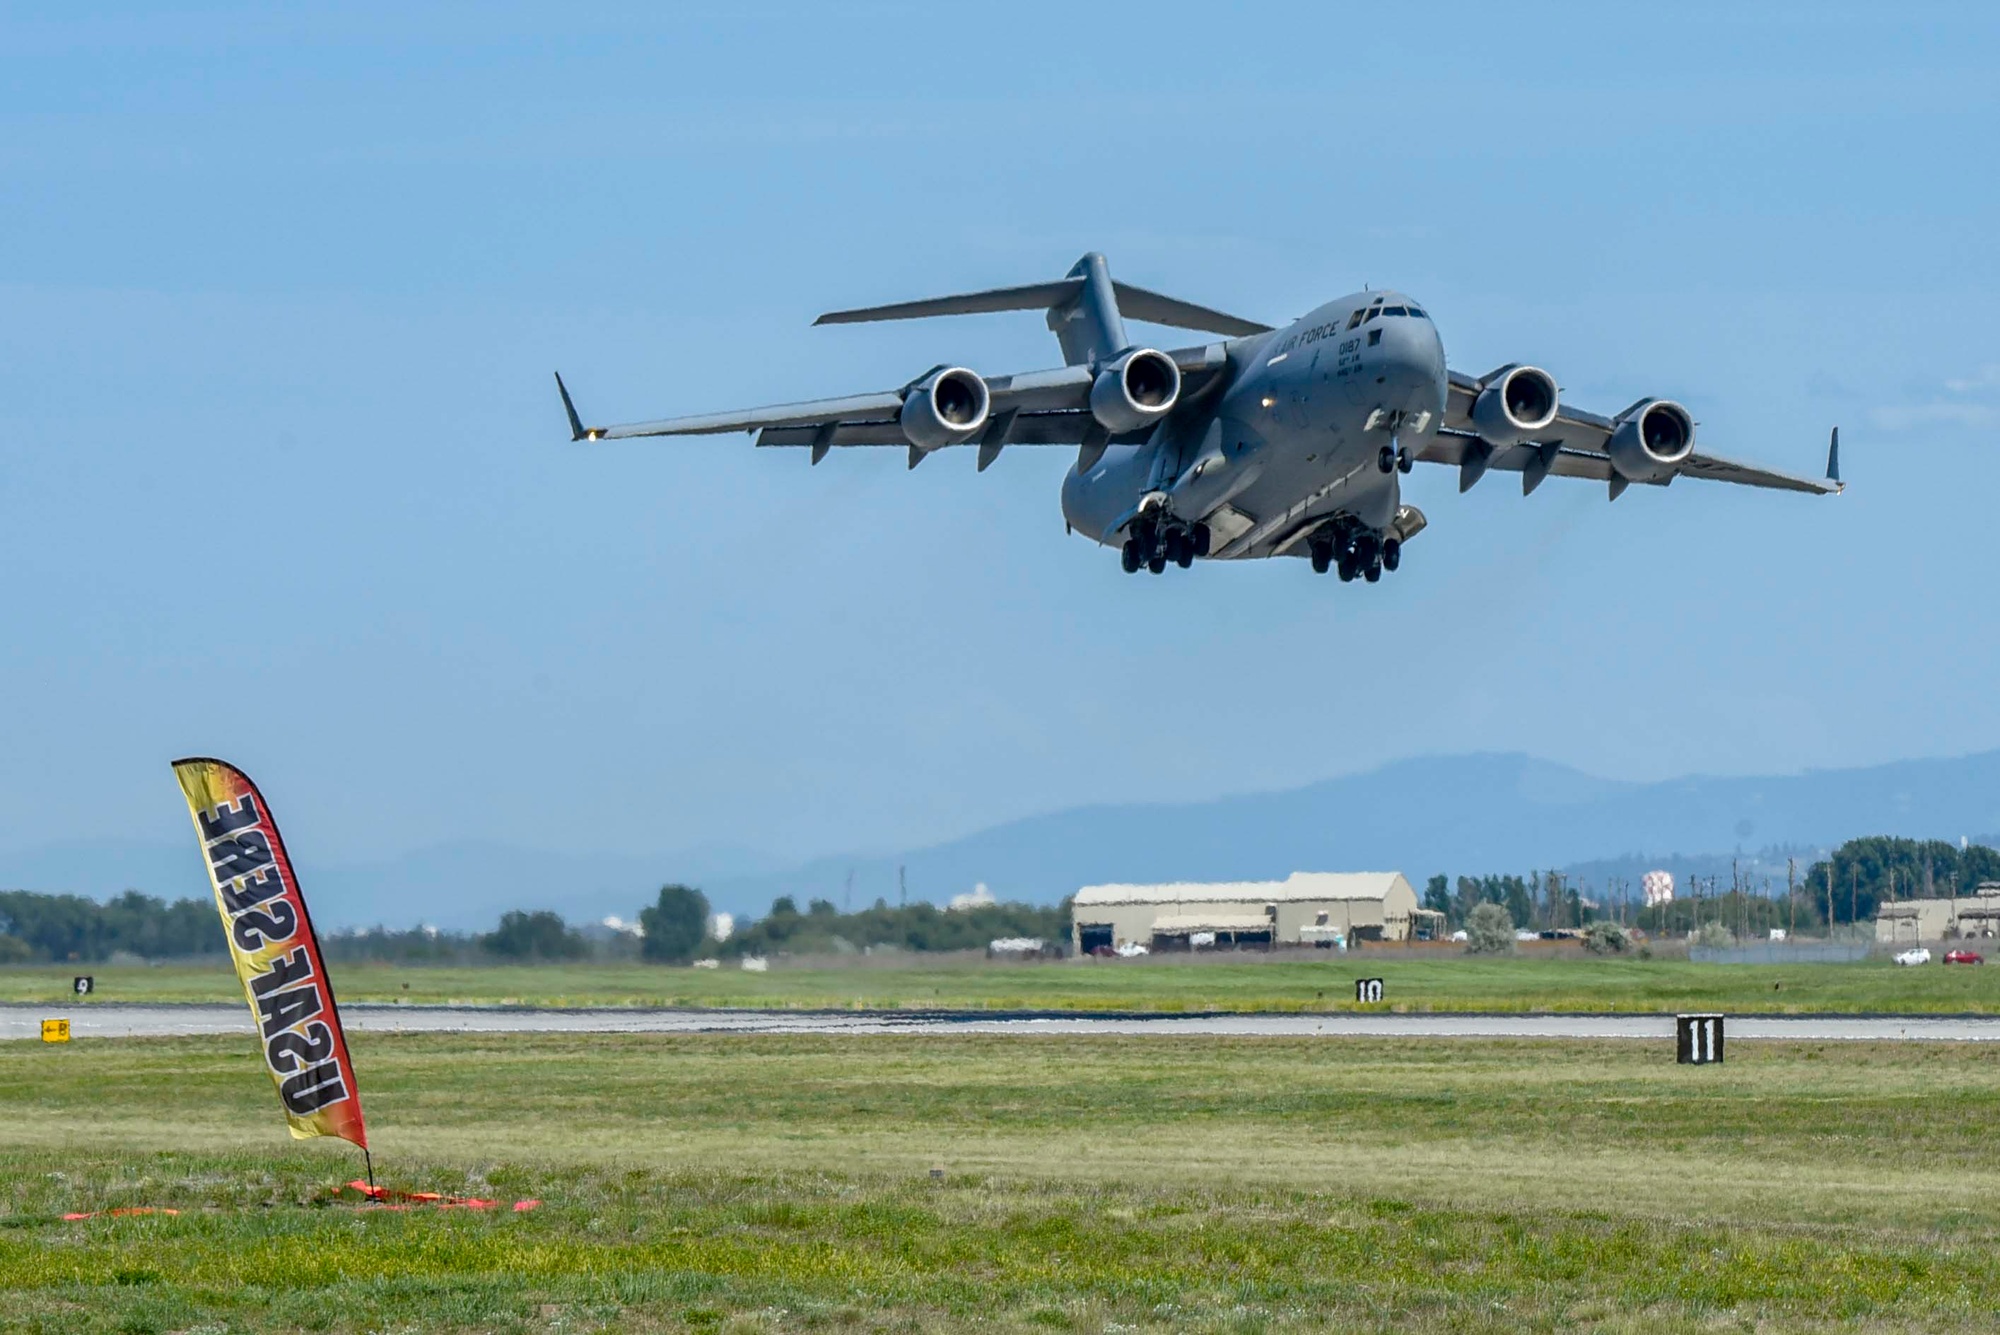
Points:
x=1086, y=311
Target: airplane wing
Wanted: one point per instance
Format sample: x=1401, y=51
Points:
x=1574, y=446
x=1034, y=408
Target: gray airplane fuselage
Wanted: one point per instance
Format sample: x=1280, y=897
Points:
x=1293, y=433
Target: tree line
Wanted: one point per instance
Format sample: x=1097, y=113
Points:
x=42, y=928
x=822, y=929
x=57, y=929
x=1847, y=887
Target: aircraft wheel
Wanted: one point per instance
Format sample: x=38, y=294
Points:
x=1129, y=556
x=1322, y=558
x=1405, y=461
x=1373, y=573
x=1186, y=556
x=1386, y=460
x=1157, y=562
x=1202, y=538
x=1392, y=554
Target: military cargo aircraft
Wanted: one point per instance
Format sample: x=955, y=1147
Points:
x=1270, y=442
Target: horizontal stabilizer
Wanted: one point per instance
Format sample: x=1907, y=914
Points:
x=1134, y=302
x=1138, y=304
x=1034, y=297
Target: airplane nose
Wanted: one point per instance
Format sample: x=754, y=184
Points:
x=1413, y=361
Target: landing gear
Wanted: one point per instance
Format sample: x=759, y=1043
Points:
x=1156, y=547
x=1356, y=552
x=1367, y=549
x=1386, y=460
x=1405, y=461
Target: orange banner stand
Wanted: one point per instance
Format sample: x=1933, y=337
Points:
x=404, y=1200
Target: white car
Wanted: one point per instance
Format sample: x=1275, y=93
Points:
x=1918, y=956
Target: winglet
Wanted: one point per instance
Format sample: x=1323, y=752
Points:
x=1833, y=460
x=576, y=431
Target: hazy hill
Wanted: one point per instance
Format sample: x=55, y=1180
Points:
x=1452, y=814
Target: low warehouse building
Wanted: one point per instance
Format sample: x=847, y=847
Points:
x=1307, y=908
x=1907, y=921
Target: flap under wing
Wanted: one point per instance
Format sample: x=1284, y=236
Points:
x=784, y=414
x=1049, y=408
x=1036, y=428
x=1581, y=438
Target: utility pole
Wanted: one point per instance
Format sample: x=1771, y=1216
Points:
x=1736, y=893
x=1829, y=897
x=902, y=887
x=847, y=895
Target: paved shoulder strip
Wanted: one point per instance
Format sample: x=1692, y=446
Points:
x=99, y=1020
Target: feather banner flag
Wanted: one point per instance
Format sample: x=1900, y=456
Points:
x=277, y=956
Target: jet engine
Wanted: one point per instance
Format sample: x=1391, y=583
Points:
x=946, y=407
x=1135, y=391
x=1515, y=404
x=1651, y=440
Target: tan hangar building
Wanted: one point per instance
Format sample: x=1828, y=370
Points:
x=1905, y=922
x=1306, y=908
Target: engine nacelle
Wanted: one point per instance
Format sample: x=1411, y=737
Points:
x=1651, y=440
x=947, y=408
x=1515, y=404
x=1135, y=391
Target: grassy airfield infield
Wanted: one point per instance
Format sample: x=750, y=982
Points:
x=785, y=1183
x=1451, y=983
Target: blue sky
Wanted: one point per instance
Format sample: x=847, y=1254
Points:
x=283, y=477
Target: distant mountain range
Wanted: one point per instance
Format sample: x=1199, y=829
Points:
x=1453, y=814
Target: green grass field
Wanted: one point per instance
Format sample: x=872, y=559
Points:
x=1447, y=984
x=784, y=1183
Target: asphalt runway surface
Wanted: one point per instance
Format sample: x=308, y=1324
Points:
x=113, y=1020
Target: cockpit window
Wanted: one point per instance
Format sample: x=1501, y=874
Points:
x=1373, y=311
x=1417, y=311
x=1355, y=318
x=1395, y=310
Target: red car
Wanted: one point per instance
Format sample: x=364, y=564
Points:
x=1964, y=957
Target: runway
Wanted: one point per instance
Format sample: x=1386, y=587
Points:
x=88, y=1020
